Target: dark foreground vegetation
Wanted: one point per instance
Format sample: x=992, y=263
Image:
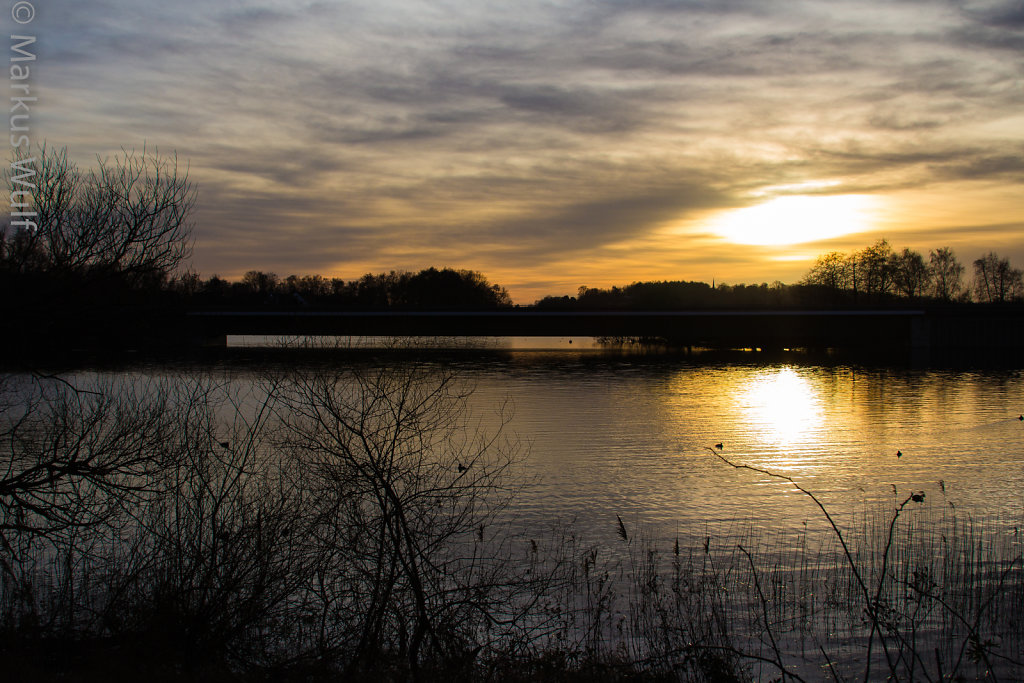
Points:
x=358, y=525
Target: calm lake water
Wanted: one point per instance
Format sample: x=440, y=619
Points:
x=632, y=435
x=612, y=434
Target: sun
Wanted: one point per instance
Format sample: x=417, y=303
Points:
x=792, y=219
x=780, y=406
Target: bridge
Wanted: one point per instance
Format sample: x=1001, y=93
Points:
x=953, y=329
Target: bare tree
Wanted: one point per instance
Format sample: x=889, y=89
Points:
x=258, y=282
x=221, y=547
x=411, y=494
x=152, y=511
x=946, y=274
x=909, y=273
x=129, y=215
x=995, y=280
x=71, y=455
x=875, y=266
x=830, y=271
x=352, y=518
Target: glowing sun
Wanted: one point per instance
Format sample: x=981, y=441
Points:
x=781, y=406
x=792, y=219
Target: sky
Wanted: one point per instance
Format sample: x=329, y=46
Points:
x=551, y=144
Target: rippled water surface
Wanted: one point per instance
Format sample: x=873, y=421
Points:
x=645, y=438
x=636, y=437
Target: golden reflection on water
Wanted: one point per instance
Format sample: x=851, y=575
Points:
x=632, y=438
x=781, y=408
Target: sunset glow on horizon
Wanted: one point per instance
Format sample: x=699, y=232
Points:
x=795, y=219
x=553, y=145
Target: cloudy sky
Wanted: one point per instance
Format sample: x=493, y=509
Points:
x=555, y=143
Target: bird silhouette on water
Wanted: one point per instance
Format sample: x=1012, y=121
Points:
x=899, y=454
x=462, y=468
x=719, y=446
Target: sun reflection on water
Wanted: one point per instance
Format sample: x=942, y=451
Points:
x=781, y=406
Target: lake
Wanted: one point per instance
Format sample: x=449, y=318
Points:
x=613, y=432
x=636, y=436
x=627, y=450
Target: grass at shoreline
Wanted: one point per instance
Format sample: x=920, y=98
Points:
x=771, y=605
x=354, y=525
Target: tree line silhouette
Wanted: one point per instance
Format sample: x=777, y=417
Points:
x=876, y=276
x=879, y=272
x=429, y=289
x=101, y=258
